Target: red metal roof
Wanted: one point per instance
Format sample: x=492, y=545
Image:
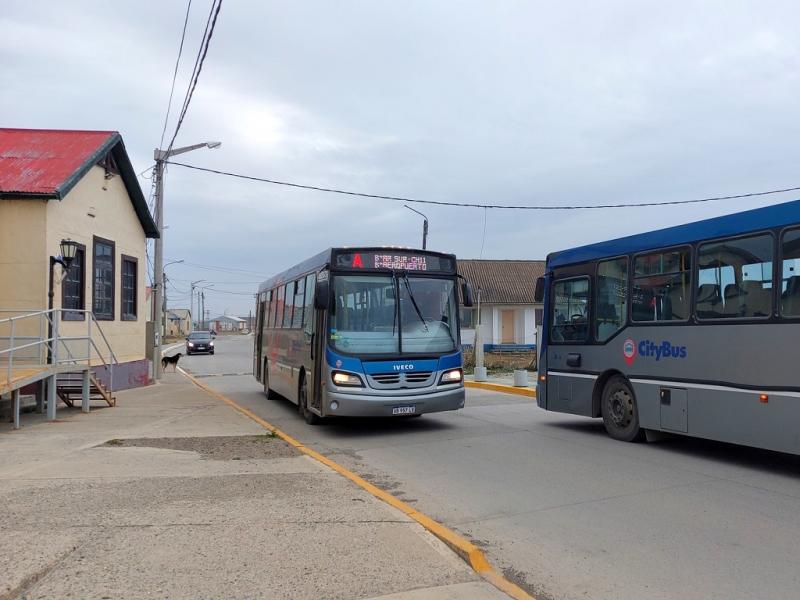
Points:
x=41, y=161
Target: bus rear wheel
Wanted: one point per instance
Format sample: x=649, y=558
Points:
x=302, y=404
x=620, y=414
x=265, y=375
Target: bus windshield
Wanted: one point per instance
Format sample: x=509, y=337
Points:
x=368, y=318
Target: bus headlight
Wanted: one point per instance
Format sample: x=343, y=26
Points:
x=347, y=379
x=452, y=376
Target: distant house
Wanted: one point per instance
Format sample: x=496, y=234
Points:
x=77, y=186
x=249, y=321
x=179, y=322
x=509, y=315
x=227, y=323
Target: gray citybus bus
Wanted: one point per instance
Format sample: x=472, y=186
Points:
x=692, y=330
x=362, y=332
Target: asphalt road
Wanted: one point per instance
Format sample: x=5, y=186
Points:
x=561, y=508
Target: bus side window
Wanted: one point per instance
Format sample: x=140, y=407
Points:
x=735, y=278
x=661, y=286
x=299, y=297
x=273, y=302
x=790, y=279
x=611, y=307
x=570, y=310
x=308, y=313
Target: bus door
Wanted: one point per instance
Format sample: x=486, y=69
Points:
x=259, y=339
x=314, y=337
x=569, y=388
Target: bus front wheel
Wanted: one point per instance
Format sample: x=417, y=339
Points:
x=302, y=404
x=620, y=414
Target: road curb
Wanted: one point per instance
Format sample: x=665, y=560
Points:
x=468, y=551
x=501, y=387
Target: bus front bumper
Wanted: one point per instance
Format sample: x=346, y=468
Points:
x=362, y=405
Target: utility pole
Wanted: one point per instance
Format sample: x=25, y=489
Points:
x=161, y=157
x=158, y=263
x=203, y=309
x=424, y=226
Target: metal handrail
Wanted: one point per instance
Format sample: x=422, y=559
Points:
x=51, y=343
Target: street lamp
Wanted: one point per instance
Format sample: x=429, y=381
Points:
x=164, y=303
x=68, y=249
x=424, y=226
x=193, y=285
x=161, y=156
x=201, y=304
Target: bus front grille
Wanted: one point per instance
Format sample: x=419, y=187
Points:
x=386, y=378
x=386, y=381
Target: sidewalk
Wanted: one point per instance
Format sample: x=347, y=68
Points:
x=504, y=383
x=173, y=494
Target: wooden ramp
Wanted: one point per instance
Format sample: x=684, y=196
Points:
x=23, y=375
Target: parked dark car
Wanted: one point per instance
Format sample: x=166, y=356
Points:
x=199, y=341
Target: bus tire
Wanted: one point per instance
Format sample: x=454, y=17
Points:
x=265, y=376
x=619, y=410
x=302, y=403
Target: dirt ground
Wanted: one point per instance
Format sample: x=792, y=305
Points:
x=243, y=447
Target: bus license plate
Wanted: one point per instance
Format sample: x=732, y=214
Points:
x=404, y=410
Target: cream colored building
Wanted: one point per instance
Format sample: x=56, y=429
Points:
x=77, y=185
x=179, y=322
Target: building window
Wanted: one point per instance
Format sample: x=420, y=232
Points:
x=661, y=286
x=570, y=311
x=467, y=318
x=611, y=307
x=103, y=286
x=129, y=281
x=73, y=287
x=735, y=278
x=790, y=279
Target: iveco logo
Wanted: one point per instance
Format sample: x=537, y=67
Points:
x=403, y=367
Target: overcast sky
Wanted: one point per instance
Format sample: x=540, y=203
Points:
x=499, y=102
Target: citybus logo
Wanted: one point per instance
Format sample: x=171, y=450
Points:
x=629, y=351
x=650, y=349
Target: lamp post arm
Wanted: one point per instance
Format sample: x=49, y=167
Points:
x=165, y=154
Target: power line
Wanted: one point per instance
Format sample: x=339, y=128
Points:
x=175, y=73
x=223, y=269
x=198, y=65
x=476, y=205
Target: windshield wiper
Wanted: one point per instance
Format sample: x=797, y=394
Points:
x=413, y=301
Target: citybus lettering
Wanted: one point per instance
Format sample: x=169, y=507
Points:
x=663, y=350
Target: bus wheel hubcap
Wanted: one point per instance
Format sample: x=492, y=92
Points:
x=621, y=408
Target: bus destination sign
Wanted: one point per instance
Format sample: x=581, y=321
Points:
x=393, y=260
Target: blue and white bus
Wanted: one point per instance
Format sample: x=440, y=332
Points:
x=362, y=332
x=692, y=330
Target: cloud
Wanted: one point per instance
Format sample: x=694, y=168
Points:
x=511, y=102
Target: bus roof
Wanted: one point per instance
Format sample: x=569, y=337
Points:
x=776, y=215
x=323, y=258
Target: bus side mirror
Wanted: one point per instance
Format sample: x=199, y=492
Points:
x=322, y=295
x=538, y=292
x=466, y=294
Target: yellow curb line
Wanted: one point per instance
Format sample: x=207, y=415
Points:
x=500, y=387
x=473, y=555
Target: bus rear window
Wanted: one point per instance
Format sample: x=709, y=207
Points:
x=661, y=288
